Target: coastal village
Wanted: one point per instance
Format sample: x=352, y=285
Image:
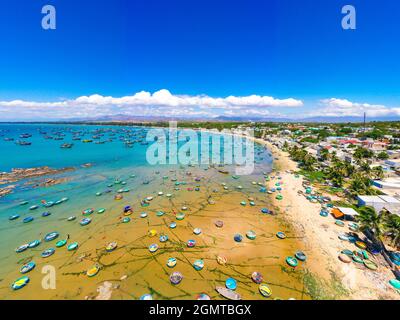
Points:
x=351, y=173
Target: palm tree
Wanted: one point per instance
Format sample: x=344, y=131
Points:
x=285, y=146
x=334, y=157
x=369, y=219
x=336, y=173
x=378, y=173
x=349, y=169
x=364, y=166
x=309, y=162
x=324, y=154
x=360, y=185
x=392, y=229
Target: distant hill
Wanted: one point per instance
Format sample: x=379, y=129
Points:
x=140, y=119
x=310, y=119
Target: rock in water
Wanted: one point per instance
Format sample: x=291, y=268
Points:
x=105, y=291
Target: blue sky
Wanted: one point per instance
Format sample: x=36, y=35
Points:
x=276, y=50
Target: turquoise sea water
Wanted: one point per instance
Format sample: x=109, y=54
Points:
x=111, y=160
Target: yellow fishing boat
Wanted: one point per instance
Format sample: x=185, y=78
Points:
x=93, y=271
x=265, y=290
x=152, y=233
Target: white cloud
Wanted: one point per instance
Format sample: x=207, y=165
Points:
x=334, y=107
x=160, y=103
x=165, y=98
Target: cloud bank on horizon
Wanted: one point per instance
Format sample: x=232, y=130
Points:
x=334, y=107
x=162, y=103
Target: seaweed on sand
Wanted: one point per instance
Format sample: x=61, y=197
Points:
x=320, y=289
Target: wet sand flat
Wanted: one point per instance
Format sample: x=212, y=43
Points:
x=144, y=272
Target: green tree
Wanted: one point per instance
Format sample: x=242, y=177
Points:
x=362, y=153
x=336, y=173
x=360, y=185
x=364, y=167
x=309, y=162
x=383, y=155
x=392, y=229
x=324, y=154
x=285, y=146
x=378, y=173
x=371, y=220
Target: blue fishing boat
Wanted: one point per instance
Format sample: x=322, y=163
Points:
x=48, y=204
x=48, y=252
x=87, y=212
x=153, y=247
x=172, y=225
x=27, y=219
x=231, y=283
x=126, y=220
x=191, y=243
x=281, y=235
x=20, y=283
x=163, y=238
x=72, y=246
x=171, y=262
x=61, y=243
x=27, y=267
x=180, y=216
x=85, y=221
x=300, y=255
x=291, y=261
x=51, y=236
x=238, y=237
x=323, y=213
x=198, y=265
x=22, y=248
x=34, y=244
x=251, y=235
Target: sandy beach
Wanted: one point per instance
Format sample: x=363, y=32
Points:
x=322, y=245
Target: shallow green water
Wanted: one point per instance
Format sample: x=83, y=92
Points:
x=111, y=160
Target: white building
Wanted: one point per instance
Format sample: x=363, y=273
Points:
x=393, y=163
x=379, y=203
